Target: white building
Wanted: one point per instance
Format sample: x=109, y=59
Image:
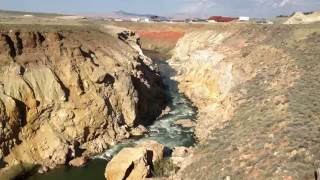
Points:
x=134, y=19
x=212, y=21
x=28, y=15
x=244, y=18
x=145, y=20
x=118, y=20
x=70, y=17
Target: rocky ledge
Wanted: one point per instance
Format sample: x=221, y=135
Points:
x=66, y=94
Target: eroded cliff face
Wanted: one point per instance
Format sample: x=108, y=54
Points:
x=256, y=91
x=70, y=93
x=206, y=74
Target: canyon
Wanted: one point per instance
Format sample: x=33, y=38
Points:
x=255, y=88
x=70, y=92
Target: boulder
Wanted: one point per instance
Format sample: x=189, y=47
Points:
x=43, y=169
x=155, y=150
x=186, y=123
x=165, y=111
x=79, y=161
x=139, y=131
x=129, y=163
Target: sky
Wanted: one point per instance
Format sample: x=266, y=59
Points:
x=198, y=8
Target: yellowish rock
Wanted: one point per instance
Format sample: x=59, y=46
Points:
x=155, y=149
x=129, y=163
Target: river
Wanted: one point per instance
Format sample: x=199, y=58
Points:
x=163, y=130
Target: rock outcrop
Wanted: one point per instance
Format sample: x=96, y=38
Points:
x=79, y=161
x=186, y=123
x=130, y=164
x=155, y=150
x=64, y=94
x=255, y=88
x=203, y=74
x=135, y=163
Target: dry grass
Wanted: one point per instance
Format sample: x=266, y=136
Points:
x=274, y=131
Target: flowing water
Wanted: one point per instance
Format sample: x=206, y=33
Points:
x=163, y=130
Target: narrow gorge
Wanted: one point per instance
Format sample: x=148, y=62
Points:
x=256, y=91
x=209, y=101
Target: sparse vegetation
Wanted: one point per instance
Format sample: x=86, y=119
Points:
x=164, y=168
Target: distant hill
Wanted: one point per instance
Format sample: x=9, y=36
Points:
x=128, y=15
x=115, y=14
x=21, y=13
x=123, y=13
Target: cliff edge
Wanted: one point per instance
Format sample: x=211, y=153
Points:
x=68, y=93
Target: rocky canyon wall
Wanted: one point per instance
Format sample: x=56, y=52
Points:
x=256, y=91
x=69, y=93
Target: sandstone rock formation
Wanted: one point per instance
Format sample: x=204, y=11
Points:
x=67, y=93
x=139, y=131
x=203, y=74
x=155, y=150
x=135, y=163
x=130, y=164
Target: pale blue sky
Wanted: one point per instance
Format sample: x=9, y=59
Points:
x=204, y=8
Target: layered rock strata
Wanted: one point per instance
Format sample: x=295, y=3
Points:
x=69, y=93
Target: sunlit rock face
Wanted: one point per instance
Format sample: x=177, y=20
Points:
x=204, y=73
x=66, y=93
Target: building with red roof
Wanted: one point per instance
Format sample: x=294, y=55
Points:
x=222, y=18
